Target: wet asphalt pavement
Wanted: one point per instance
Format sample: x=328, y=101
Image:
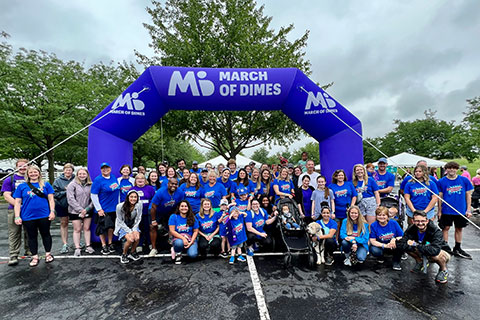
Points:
x=87, y=288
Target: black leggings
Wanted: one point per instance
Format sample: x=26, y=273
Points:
x=266, y=243
x=32, y=227
x=203, y=245
x=330, y=245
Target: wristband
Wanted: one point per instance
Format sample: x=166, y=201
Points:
x=18, y=218
x=383, y=246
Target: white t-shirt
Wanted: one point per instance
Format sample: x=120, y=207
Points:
x=313, y=178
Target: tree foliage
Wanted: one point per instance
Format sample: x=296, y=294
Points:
x=227, y=34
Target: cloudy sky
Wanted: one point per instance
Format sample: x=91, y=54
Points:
x=388, y=59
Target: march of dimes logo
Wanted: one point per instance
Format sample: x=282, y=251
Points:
x=321, y=99
x=196, y=83
x=133, y=104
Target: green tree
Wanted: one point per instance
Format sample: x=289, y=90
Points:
x=229, y=34
x=311, y=148
x=45, y=100
x=470, y=139
x=260, y=155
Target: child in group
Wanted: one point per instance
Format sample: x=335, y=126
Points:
x=288, y=219
x=222, y=221
x=236, y=233
x=243, y=202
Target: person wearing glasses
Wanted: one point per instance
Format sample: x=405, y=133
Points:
x=423, y=241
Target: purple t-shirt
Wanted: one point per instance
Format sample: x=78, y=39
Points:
x=8, y=187
x=146, y=194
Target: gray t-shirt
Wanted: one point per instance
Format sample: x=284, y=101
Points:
x=319, y=196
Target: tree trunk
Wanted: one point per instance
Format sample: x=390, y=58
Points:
x=51, y=166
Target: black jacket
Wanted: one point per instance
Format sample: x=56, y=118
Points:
x=433, y=235
x=299, y=197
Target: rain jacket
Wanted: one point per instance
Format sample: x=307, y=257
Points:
x=432, y=242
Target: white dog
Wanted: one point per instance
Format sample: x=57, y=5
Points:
x=314, y=229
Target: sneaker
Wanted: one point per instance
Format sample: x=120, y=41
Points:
x=82, y=245
x=250, y=252
x=124, y=259
x=328, y=260
x=241, y=258
x=404, y=256
x=255, y=247
x=64, y=249
x=232, y=260
x=347, y=262
x=78, y=252
x=223, y=255
x=442, y=276
x=134, y=256
x=380, y=260
x=178, y=259
x=448, y=250
x=172, y=251
x=111, y=248
x=89, y=250
x=397, y=266
x=419, y=267
x=28, y=253
x=105, y=251
x=13, y=261
x=153, y=252
x=462, y=254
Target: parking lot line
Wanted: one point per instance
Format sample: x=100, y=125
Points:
x=257, y=287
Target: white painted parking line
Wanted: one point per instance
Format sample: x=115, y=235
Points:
x=257, y=287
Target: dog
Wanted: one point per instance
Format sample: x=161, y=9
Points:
x=314, y=229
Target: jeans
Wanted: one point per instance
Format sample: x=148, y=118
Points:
x=192, y=252
x=379, y=252
x=361, y=250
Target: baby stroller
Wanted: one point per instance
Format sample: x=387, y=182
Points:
x=295, y=240
x=392, y=201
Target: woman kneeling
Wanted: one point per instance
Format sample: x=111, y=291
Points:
x=129, y=215
x=354, y=234
x=184, y=229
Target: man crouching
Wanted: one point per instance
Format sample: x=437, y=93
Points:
x=424, y=242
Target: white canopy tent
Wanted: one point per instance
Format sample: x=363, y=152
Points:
x=409, y=160
x=241, y=161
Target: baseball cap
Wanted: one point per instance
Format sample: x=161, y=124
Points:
x=242, y=191
x=224, y=202
x=463, y=167
x=204, y=170
x=384, y=160
x=105, y=164
x=290, y=165
x=233, y=208
x=195, y=162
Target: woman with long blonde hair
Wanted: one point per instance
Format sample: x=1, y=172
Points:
x=355, y=235
x=368, y=198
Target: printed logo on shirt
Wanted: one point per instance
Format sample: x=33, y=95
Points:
x=209, y=194
x=386, y=237
x=285, y=187
x=422, y=191
x=113, y=186
x=457, y=189
x=207, y=224
x=341, y=193
x=140, y=193
x=183, y=228
x=190, y=194
x=238, y=228
x=170, y=203
x=133, y=104
x=259, y=223
x=125, y=189
x=381, y=183
x=242, y=207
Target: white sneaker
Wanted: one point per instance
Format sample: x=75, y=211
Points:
x=153, y=253
x=78, y=252
x=347, y=262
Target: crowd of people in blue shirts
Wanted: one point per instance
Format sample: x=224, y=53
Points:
x=226, y=211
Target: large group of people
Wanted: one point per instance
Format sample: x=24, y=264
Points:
x=227, y=211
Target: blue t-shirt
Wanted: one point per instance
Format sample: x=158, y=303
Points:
x=421, y=235
x=234, y=176
x=108, y=192
x=166, y=202
x=33, y=207
x=370, y=189
x=193, y=196
x=408, y=178
x=215, y=193
x=242, y=205
x=180, y=224
x=384, y=181
x=236, y=231
x=419, y=194
x=146, y=194
x=386, y=233
x=343, y=197
x=227, y=185
x=307, y=202
x=203, y=183
x=283, y=187
x=198, y=171
x=207, y=224
x=454, y=192
x=258, y=221
x=250, y=188
x=265, y=190
x=332, y=224
x=125, y=186
x=163, y=180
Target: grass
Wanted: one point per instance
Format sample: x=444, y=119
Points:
x=471, y=166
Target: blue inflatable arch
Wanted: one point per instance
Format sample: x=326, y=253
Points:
x=160, y=89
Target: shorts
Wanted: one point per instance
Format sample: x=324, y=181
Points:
x=112, y=215
x=237, y=246
x=122, y=233
x=61, y=212
x=430, y=214
x=222, y=230
x=157, y=217
x=368, y=206
x=73, y=217
x=447, y=220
